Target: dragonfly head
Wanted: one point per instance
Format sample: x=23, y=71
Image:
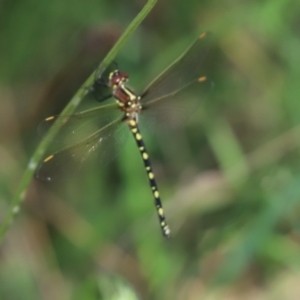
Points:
x=116, y=78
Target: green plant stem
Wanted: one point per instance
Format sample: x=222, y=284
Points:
x=75, y=101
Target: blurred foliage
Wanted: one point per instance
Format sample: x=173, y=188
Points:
x=229, y=177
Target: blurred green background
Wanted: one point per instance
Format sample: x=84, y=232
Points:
x=229, y=177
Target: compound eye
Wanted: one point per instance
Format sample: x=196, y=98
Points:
x=115, y=80
x=117, y=77
x=123, y=76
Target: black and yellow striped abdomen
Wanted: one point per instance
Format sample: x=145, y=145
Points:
x=145, y=156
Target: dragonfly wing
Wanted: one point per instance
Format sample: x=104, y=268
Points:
x=173, y=110
x=102, y=145
x=78, y=126
x=186, y=70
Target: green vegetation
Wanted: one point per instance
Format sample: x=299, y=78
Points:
x=228, y=177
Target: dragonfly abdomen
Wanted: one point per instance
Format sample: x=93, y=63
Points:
x=145, y=156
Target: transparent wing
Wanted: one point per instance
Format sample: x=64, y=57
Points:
x=101, y=146
x=167, y=114
x=186, y=70
x=175, y=95
x=77, y=127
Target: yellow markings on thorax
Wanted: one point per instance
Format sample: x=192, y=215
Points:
x=110, y=76
x=156, y=194
x=151, y=175
x=145, y=155
x=48, y=158
x=202, y=79
x=132, y=96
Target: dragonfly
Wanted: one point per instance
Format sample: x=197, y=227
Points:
x=101, y=129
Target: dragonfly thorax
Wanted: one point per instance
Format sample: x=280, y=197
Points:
x=131, y=107
x=127, y=100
